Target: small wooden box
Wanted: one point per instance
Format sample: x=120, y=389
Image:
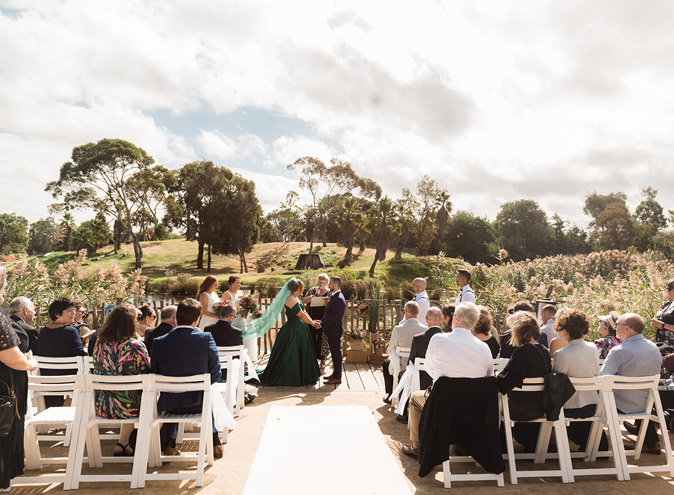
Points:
x=357, y=356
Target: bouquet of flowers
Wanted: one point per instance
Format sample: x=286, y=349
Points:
x=354, y=334
x=248, y=305
x=378, y=342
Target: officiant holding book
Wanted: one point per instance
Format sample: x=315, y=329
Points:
x=316, y=300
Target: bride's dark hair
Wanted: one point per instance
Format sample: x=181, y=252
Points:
x=293, y=284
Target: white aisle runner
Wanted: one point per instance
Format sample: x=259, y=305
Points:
x=324, y=450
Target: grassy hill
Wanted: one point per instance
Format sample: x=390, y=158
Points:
x=166, y=261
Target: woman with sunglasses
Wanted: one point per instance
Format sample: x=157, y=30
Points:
x=663, y=323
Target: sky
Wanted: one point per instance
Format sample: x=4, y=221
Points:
x=496, y=100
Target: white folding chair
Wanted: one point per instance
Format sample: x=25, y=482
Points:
x=601, y=385
x=69, y=417
x=648, y=384
x=400, y=352
x=153, y=455
x=91, y=423
x=499, y=364
x=535, y=385
x=87, y=365
x=449, y=477
x=67, y=365
x=236, y=352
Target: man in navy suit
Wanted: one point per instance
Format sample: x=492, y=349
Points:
x=333, y=325
x=185, y=351
x=224, y=333
x=168, y=323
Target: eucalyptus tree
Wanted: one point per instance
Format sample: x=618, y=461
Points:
x=110, y=177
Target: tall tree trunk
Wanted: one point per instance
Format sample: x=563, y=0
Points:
x=307, y=262
x=244, y=265
x=209, y=258
x=200, y=256
x=374, y=264
x=137, y=251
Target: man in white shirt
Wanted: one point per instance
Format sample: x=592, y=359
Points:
x=402, y=336
x=458, y=354
x=466, y=294
x=420, y=297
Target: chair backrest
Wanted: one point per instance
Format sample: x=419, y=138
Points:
x=227, y=362
x=591, y=384
x=499, y=364
x=60, y=363
x=636, y=382
x=178, y=384
x=232, y=349
x=116, y=382
x=57, y=384
x=88, y=364
x=403, y=351
x=420, y=364
x=532, y=385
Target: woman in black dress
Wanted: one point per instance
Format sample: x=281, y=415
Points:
x=482, y=331
x=318, y=337
x=13, y=367
x=663, y=323
x=529, y=360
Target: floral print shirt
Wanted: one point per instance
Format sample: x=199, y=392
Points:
x=119, y=358
x=605, y=344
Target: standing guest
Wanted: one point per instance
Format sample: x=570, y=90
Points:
x=548, y=328
x=447, y=314
x=466, y=294
x=318, y=337
x=13, y=366
x=333, y=325
x=21, y=312
x=146, y=319
x=421, y=297
x=663, y=323
x=529, y=360
x=458, y=354
x=118, y=352
x=233, y=294
x=506, y=347
x=402, y=336
x=185, y=351
x=207, y=297
x=578, y=359
x=483, y=328
x=59, y=339
x=224, y=333
x=607, y=330
x=636, y=356
x=168, y=323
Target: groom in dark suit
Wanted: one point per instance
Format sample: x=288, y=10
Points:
x=333, y=326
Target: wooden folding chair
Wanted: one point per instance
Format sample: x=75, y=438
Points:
x=68, y=417
x=648, y=384
x=535, y=385
x=91, y=423
x=152, y=454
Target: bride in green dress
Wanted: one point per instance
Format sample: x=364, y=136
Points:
x=292, y=362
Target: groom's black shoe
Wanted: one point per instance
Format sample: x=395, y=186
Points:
x=333, y=381
x=327, y=377
x=387, y=399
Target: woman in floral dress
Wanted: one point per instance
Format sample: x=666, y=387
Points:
x=118, y=352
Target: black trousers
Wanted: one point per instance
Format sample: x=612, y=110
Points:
x=388, y=377
x=335, y=342
x=579, y=431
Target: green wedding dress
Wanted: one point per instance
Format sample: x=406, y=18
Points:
x=292, y=362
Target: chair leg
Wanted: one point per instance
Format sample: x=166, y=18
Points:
x=447, y=474
x=563, y=450
x=511, y=451
x=32, y=448
x=640, y=439
x=181, y=433
x=542, y=443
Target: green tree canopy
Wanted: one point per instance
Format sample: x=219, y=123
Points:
x=13, y=233
x=523, y=229
x=470, y=237
x=42, y=236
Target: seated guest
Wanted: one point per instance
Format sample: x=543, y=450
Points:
x=80, y=324
x=506, y=346
x=578, y=359
x=529, y=360
x=185, y=351
x=607, y=330
x=118, y=352
x=21, y=312
x=447, y=314
x=636, y=356
x=168, y=323
x=559, y=342
x=455, y=355
x=146, y=319
x=224, y=333
x=482, y=331
x=59, y=339
x=548, y=328
x=402, y=336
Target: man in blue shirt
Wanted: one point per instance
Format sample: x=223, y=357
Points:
x=636, y=356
